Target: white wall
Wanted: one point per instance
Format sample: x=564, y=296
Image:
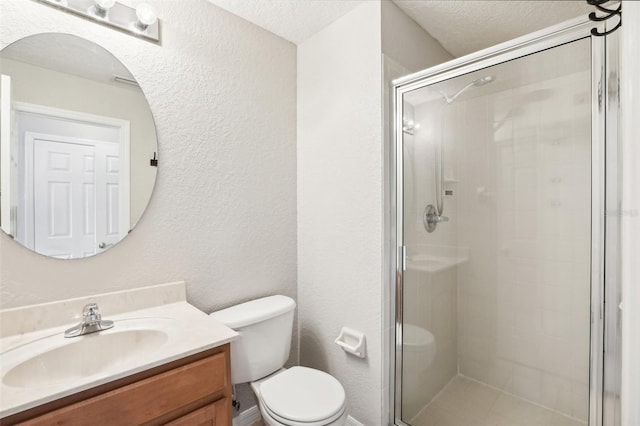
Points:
x=340, y=202
x=407, y=42
x=222, y=217
x=630, y=106
x=223, y=213
x=342, y=169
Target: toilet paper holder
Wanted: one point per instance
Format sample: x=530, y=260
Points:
x=352, y=341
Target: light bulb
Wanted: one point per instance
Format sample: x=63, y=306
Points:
x=102, y=7
x=146, y=16
x=105, y=4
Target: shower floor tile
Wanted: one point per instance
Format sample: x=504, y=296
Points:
x=465, y=402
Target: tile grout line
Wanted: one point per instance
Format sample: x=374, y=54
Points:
x=490, y=409
x=525, y=400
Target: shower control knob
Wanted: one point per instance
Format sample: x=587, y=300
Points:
x=431, y=218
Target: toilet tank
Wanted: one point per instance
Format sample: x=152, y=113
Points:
x=265, y=327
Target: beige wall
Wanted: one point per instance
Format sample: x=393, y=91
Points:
x=42, y=86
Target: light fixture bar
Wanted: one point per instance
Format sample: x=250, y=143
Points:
x=119, y=16
x=125, y=80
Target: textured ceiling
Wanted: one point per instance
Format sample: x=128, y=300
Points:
x=461, y=26
x=465, y=26
x=293, y=20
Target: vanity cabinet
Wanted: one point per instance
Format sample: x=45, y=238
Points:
x=192, y=391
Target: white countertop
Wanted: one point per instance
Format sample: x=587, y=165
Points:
x=185, y=331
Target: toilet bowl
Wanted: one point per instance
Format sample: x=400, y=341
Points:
x=298, y=396
x=419, y=340
x=301, y=396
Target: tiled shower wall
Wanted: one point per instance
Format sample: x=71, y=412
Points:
x=430, y=304
x=437, y=125
x=518, y=162
x=430, y=296
x=524, y=297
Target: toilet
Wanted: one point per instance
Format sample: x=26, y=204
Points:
x=419, y=340
x=298, y=396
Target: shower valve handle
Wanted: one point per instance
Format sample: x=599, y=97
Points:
x=436, y=219
x=431, y=218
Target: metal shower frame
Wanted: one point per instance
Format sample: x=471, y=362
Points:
x=604, y=184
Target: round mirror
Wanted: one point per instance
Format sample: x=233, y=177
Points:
x=78, y=147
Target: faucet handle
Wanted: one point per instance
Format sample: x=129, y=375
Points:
x=91, y=322
x=91, y=312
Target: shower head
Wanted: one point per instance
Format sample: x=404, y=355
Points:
x=483, y=80
x=475, y=83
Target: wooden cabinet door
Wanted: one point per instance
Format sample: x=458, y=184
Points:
x=215, y=414
x=147, y=401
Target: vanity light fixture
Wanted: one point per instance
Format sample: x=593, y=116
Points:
x=146, y=15
x=125, y=80
x=141, y=21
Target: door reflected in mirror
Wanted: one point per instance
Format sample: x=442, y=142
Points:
x=76, y=147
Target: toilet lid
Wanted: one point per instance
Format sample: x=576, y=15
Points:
x=302, y=394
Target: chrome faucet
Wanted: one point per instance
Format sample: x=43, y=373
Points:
x=91, y=322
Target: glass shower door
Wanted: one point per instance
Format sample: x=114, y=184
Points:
x=496, y=217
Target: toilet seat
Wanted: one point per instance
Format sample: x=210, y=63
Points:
x=302, y=396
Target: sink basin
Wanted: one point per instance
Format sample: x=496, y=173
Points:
x=56, y=360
